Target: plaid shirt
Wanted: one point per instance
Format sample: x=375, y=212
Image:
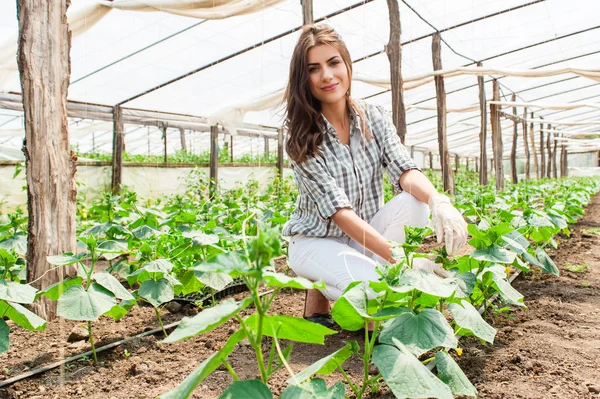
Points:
x=347, y=176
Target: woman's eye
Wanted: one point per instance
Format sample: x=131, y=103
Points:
x=312, y=69
x=335, y=62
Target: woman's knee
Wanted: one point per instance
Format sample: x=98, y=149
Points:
x=415, y=211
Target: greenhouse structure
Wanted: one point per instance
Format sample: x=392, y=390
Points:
x=145, y=183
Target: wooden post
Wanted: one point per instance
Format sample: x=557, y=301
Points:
x=412, y=151
x=440, y=93
x=542, y=152
x=431, y=160
x=513, y=152
x=231, y=149
x=554, y=160
x=497, y=146
x=307, y=12
x=564, y=161
x=182, y=136
x=483, y=170
x=163, y=129
x=117, y=158
x=476, y=164
x=394, y=54
x=44, y=64
x=456, y=163
x=535, y=157
x=266, y=147
x=526, y=146
x=214, y=159
x=467, y=163
x=549, y=148
x=280, y=151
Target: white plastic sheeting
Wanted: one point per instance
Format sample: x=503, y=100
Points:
x=127, y=53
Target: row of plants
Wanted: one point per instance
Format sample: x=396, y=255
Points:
x=408, y=308
x=182, y=156
x=195, y=243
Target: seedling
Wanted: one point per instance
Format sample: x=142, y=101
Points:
x=577, y=268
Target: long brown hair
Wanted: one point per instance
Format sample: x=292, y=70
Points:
x=303, y=111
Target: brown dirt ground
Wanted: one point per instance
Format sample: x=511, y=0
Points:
x=550, y=350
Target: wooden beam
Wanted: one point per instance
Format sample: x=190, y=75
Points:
x=214, y=159
x=456, y=163
x=542, y=152
x=163, y=129
x=394, y=54
x=533, y=147
x=467, y=163
x=554, y=160
x=447, y=175
x=117, y=157
x=43, y=60
x=476, y=164
x=431, y=160
x=497, y=146
x=549, y=148
x=307, y=12
x=513, y=152
x=483, y=171
x=182, y=137
x=526, y=147
x=266, y=148
x=280, y=152
x=231, y=148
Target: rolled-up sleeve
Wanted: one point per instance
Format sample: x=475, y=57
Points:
x=395, y=158
x=314, y=179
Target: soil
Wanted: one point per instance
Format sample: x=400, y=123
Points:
x=549, y=350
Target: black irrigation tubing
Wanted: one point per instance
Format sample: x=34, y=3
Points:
x=54, y=365
x=512, y=278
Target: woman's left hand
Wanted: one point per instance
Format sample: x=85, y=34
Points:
x=450, y=226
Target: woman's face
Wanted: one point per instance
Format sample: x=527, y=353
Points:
x=329, y=80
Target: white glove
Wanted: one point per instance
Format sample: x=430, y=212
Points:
x=426, y=265
x=450, y=227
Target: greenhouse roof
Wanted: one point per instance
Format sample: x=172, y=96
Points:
x=169, y=63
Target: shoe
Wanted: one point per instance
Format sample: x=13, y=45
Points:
x=324, y=319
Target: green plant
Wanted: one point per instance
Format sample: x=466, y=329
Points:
x=577, y=268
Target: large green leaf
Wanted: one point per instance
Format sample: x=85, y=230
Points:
x=428, y=283
x=291, y=328
x=231, y=263
x=315, y=389
x=144, y=232
x=420, y=332
x=250, y=389
x=67, y=258
x=326, y=365
x=546, y=263
x=159, y=266
x=185, y=389
x=469, y=319
x=22, y=316
x=450, y=373
x=54, y=291
x=16, y=292
x=214, y=280
x=207, y=320
x=406, y=376
x=4, y=331
x=113, y=285
x=157, y=292
x=78, y=304
x=350, y=310
x=464, y=284
x=507, y=292
x=6, y=258
x=17, y=243
x=281, y=280
x=494, y=253
x=516, y=241
x=201, y=238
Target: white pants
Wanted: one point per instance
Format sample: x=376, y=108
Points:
x=327, y=259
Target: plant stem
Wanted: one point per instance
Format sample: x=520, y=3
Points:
x=230, y=369
x=160, y=322
x=89, y=328
x=352, y=386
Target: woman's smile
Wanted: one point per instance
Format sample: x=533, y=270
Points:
x=330, y=87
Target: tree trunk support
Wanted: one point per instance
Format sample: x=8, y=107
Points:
x=117, y=156
x=526, y=147
x=447, y=174
x=483, y=170
x=394, y=54
x=533, y=147
x=214, y=159
x=554, y=160
x=497, y=146
x=542, y=152
x=280, y=151
x=182, y=136
x=44, y=65
x=513, y=152
x=307, y=12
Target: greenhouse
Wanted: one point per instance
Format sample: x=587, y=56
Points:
x=151, y=174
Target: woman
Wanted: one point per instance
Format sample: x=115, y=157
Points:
x=338, y=149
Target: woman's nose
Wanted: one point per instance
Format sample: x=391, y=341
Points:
x=327, y=75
